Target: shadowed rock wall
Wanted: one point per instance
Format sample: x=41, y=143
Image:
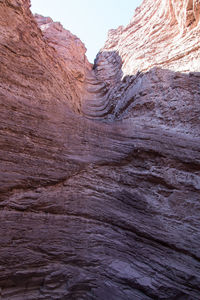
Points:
x=100, y=168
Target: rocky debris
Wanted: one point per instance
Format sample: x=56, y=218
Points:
x=107, y=208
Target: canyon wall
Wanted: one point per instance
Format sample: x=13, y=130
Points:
x=100, y=165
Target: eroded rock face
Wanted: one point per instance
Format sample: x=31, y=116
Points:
x=151, y=68
x=161, y=33
x=67, y=45
x=100, y=169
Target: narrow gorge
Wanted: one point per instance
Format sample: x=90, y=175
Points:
x=100, y=163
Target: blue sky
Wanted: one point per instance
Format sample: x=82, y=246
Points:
x=90, y=20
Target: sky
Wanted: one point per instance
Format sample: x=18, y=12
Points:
x=89, y=20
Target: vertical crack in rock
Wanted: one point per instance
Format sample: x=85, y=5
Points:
x=100, y=164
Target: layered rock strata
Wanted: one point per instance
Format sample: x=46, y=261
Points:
x=100, y=168
x=158, y=52
x=164, y=34
x=67, y=45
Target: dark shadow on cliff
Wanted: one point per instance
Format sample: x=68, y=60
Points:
x=102, y=211
x=158, y=95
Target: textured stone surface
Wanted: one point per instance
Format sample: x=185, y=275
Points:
x=160, y=34
x=67, y=45
x=150, y=69
x=100, y=169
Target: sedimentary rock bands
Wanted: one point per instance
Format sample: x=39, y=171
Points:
x=100, y=164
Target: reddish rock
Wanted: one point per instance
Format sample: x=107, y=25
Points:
x=100, y=169
x=67, y=45
x=164, y=34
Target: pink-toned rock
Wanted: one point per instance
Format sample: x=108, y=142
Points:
x=163, y=34
x=67, y=45
x=150, y=68
x=100, y=169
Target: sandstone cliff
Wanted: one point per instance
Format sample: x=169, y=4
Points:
x=100, y=167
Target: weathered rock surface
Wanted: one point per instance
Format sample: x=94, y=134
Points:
x=151, y=64
x=67, y=45
x=100, y=169
x=162, y=33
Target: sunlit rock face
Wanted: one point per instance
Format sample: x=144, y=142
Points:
x=151, y=67
x=162, y=33
x=67, y=45
x=100, y=166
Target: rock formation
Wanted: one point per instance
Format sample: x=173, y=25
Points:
x=100, y=165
